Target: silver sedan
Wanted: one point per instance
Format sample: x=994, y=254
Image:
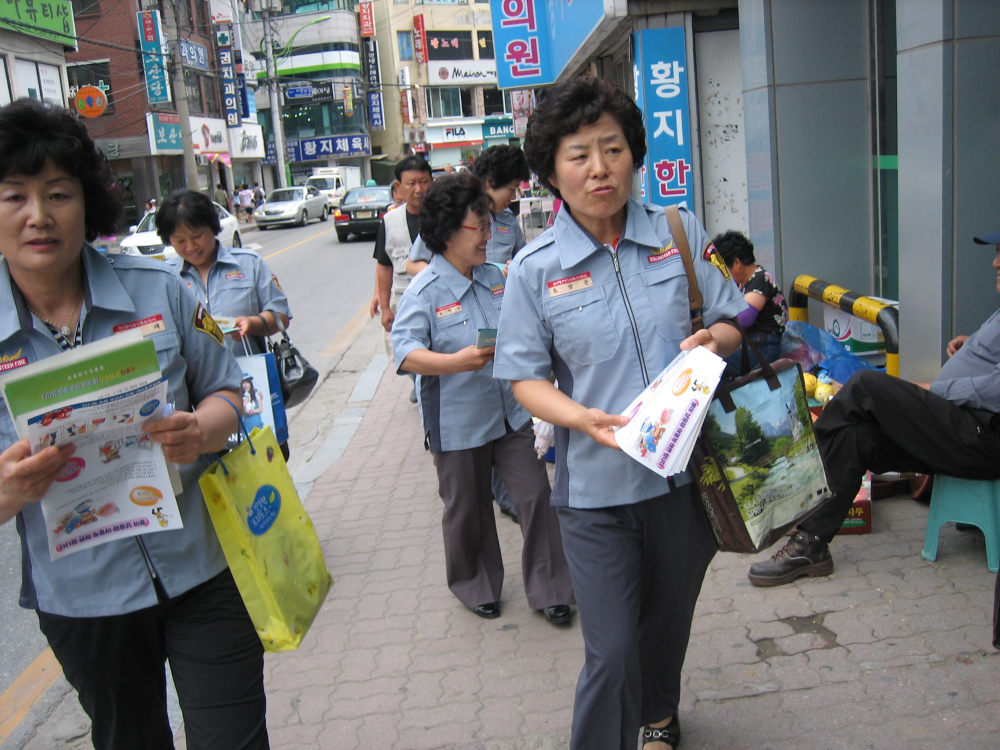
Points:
x=291, y=206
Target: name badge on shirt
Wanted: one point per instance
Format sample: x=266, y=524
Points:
x=570, y=284
x=148, y=326
x=497, y=290
x=444, y=312
x=500, y=229
x=663, y=253
x=235, y=275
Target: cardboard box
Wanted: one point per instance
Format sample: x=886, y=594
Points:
x=859, y=517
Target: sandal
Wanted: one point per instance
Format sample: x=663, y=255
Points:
x=671, y=734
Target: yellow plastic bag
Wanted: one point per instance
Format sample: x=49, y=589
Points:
x=268, y=539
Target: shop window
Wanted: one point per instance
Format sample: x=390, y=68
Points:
x=449, y=45
x=201, y=13
x=192, y=84
x=91, y=74
x=496, y=102
x=210, y=85
x=485, y=44
x=449, y=101
x=294, y=7
x=405, y=41
x=324, y=118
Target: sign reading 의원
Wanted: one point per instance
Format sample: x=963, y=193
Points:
x=660, y=64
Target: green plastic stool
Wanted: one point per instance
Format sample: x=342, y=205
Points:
x=971, y=501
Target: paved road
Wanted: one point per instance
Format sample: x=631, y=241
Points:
x=327, y=284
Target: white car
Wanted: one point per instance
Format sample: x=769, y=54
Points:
x=143, y=239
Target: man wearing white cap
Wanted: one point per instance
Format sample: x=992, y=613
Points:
x=881, y=423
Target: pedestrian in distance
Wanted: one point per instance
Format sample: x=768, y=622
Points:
x=246, y=203
x=881, y=423
x=114, y=613
x=472, y=423
x=601, y=299
x=766, y=315
x=222, y=198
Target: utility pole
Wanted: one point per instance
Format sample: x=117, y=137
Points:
x=191, y=176
x=275, y=96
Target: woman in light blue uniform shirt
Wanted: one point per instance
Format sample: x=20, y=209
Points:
x=472, y=423
x=602, y=298
x=230, y=281
x=113, y=613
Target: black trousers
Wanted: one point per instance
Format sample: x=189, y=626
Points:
x=637, y=572
x=116, y=665
x=881, y=423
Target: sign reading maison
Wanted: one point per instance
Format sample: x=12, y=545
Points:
x=461, y=71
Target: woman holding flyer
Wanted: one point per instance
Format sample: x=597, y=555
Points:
x=602, y=299
x=472, y=423
x=230, y=281
x=114, y=612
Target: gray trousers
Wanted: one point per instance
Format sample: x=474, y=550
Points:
x=637, y=572
x=471, y=547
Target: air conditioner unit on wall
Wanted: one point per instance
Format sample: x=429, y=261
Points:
x=202, y=160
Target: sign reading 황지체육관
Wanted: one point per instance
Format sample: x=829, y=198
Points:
x=44, y=19
x=661, y=86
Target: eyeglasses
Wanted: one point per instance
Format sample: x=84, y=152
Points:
x=483, y=228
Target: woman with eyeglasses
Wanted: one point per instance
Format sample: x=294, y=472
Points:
x=472, y=425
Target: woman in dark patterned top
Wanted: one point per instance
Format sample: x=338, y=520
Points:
x=764, y=320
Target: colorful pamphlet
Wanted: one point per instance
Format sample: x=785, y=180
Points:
x=665, y=419
x=98, y=397
x=487, y=337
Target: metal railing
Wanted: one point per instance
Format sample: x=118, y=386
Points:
x=874, y=311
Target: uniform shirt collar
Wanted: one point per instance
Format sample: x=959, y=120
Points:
x=103, y=290
x=574, y=243
x=455, y=281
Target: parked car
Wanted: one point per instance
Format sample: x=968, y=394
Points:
x=143, y=239
x=362, y=210
x=292, y=205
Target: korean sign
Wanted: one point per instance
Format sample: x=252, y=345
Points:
x=419, y=39
x=230, y=87
x=154, y=44
x=46, y=19
x=374, y=75
x=327, y=147
x=662, y=93
x=366, y=13
x=193, y=55
x=376, y=115
x=164, y=133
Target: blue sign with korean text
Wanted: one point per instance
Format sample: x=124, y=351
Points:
x=230, y=88
x=662, y=93
x=193, y=55
x=536, y=39
x=326, y=147
x=299, y=92
x=376, y=116
x=154, y=58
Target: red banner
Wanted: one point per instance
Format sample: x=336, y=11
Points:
x=404, y=105
x=367, y=15
x=419, y=39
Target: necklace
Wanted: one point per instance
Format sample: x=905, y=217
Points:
x=65, y=330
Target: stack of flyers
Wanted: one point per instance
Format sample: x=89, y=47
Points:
x=666, y=418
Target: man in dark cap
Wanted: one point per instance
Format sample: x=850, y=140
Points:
x=881, y=423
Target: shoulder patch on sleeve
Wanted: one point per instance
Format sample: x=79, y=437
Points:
x=275, y=280
x=713, y=257
x=206, y=323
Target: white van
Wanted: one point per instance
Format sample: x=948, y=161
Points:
x=334, y=182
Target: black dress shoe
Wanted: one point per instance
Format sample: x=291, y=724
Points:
x=488, y=611
x=559, y=614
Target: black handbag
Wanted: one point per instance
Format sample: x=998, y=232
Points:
x=297, y=376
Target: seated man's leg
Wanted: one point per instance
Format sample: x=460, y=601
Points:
x=880, y=423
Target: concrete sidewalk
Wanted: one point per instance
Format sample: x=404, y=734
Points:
x=890, y=652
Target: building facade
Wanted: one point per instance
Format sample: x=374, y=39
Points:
x=854, y=140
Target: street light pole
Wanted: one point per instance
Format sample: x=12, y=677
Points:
x=275, y=97
x=191, y=176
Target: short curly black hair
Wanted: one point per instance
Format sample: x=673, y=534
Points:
x=32, y=133
x=411, y=164
x=569, y=106
x=500, y=165
x=194, y=210
x=733, y=246
x=443, y=208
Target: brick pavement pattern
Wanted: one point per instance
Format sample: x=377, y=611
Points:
x=889, y=652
